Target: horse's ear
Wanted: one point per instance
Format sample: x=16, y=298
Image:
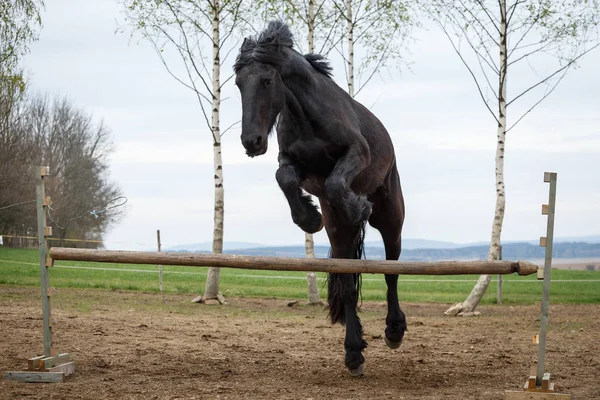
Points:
x=247, y=44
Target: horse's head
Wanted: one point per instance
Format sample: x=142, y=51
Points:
x=258, y=77
x=263, y=95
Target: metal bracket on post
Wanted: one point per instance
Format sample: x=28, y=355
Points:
x=51, y=367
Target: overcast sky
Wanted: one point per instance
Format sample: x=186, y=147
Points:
x=443, y=136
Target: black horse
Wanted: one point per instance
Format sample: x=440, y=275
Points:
x=335, y=149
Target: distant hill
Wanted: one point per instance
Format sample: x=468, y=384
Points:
x=407, y=244
x=435, y=244
x=514, y=251
x=419, y=244
x=207, y=246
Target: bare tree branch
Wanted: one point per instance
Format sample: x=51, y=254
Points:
x=185, y=54
x=158, y=51
x=234, y=20
x=376, y=69
x=193, y=21
x=333, y=44
x=470, y=71
x=493, y=20
x=300, y=15
x=229, y=127
x=225, y=82
x=568, y=65
x=539, y=101
x=526, y=55
x=511, y=10
x=488, y=57
x=516, y=46
x=481, y=24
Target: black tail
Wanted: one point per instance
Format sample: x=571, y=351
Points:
x=334, y=284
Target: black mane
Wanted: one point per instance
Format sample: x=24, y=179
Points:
x=319, y=63
x=267, y=48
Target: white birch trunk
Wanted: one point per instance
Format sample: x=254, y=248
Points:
x=483, y=282
x=350, y=35
x=311, y=277
x=311, y=26
x=211, y=290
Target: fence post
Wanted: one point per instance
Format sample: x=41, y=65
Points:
x=42, y=203
x=499, y=293
x=51, y=367
x=160, y=279
x=549, y=177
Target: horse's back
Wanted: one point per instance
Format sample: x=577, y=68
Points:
x=337, y=117
x=370, y=127
x=381, y=149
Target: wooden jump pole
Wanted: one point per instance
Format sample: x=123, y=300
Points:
x=335, y=265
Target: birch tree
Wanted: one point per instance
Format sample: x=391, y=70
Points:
x=494, y=38
x=314, y=20
x=379, y=29
x=187, y=27
x=311, y=278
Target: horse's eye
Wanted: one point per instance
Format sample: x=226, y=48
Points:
x=267, y=82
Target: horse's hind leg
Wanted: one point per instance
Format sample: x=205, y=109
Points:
x=343, y=289
x=388, y=218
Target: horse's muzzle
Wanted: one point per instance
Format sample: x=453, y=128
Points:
x=255, y=145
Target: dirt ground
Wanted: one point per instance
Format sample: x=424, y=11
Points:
x=132, y=345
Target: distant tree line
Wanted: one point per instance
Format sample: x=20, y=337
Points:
x=36, y=130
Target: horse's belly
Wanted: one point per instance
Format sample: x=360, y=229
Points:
x=314, y=185
x=365, y=183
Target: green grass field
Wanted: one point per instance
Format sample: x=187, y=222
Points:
x=21, y=268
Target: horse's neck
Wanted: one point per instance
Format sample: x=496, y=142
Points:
x=300, y=107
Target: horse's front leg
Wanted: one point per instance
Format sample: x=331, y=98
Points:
x=338, y=185
x=304, y=212
x=342, y=289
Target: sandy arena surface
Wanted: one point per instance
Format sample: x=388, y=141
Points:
x=144, y=346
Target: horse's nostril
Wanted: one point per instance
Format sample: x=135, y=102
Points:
x=258, y=140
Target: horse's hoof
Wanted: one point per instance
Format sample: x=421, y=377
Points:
x=390, y=344
x=320, y=226
x=357, y=371
x=312, y=229
x=359, y=209
x=309, y=223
